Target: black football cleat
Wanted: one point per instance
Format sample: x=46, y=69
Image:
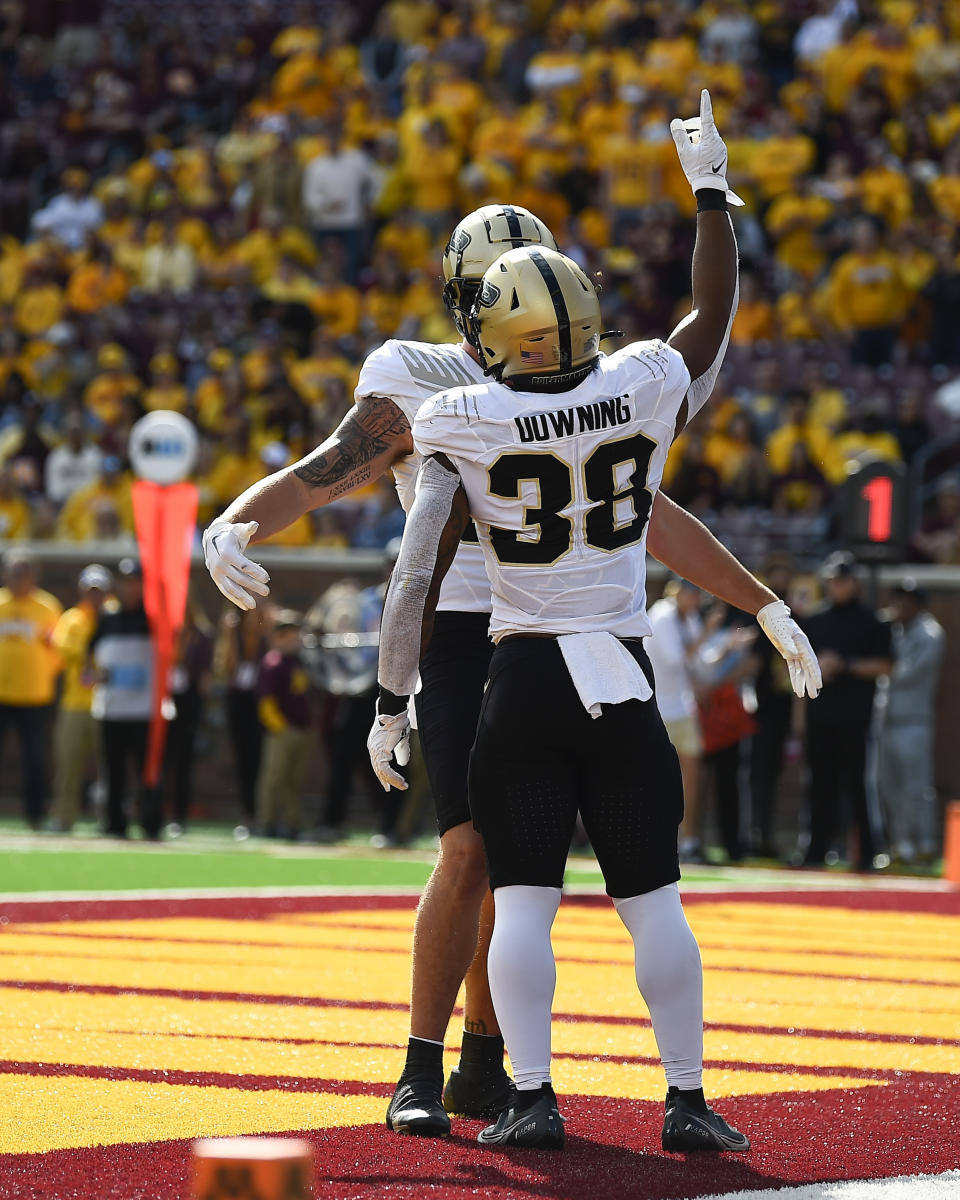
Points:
x=686, y=1129
x=416, y=1109
x=539, y=1127
x=482, y=1095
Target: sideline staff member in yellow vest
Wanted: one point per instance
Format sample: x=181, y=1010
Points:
x=76, y=735
x=28, y=672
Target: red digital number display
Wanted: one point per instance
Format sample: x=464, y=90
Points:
x=878, y=494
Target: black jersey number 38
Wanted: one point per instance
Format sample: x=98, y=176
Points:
x=614, y=481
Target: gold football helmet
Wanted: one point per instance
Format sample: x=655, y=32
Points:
x=476, y=243
x=536, y=320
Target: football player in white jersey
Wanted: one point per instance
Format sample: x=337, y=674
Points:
x=559, y=465
x=374, y=437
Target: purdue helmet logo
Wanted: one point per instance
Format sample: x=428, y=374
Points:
x=488, y=295
x=459, y=241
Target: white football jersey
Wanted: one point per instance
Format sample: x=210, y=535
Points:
x=408, y=373
x=561, y=486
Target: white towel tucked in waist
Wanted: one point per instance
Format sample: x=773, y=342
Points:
x=603, y=670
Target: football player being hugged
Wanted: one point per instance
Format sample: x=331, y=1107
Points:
x=455, y=916
x=557, y=458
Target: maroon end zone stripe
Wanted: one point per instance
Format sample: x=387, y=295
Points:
x=848, y=1035
x=202, y=1079
x=108, y=989
x=306, y=1083
x=255, y=907
x=936, y=902
x=612, y=1153
x=231, y=908
x=60, y=951
x=234, y=1037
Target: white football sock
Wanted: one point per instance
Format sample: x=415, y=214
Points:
x=670, y=979
x=523, y=976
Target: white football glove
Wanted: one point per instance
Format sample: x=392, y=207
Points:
x=790, y=640
x=389, y=738
x=234, y=574
x=702, y=152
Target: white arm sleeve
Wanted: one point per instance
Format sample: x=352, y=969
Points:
x=402, y=621
x=701, y=388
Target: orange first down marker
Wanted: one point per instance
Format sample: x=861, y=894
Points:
x=252, y=1168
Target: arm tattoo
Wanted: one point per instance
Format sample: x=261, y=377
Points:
x=349, y=458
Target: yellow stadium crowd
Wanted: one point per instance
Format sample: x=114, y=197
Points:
x=239, y=274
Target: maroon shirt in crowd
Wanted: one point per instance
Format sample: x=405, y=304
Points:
x=283, y=677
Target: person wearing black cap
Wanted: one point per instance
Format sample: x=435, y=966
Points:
x=906, y=746
x=122, y=654
x=854, y=649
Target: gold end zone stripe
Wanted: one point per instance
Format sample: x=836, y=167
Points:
x=809, y=926
x=355, y=976
x=828, y=996
x=772, y=928
x=126, y=1013
x=200, y=949
x=212, y=1055
x=344, y=976
x=39, y=1113
x=362, y=976
x=243, y=932
x=357, y=1043
x=318, y=950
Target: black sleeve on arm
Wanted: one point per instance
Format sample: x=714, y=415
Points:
x=389, y=704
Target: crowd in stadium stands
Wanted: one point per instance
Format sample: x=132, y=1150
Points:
x=220, y=209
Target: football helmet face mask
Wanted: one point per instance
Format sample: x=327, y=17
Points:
x=476, y=243
x=536, y=321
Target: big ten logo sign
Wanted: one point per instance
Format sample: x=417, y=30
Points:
x=163, y=447
x=258, y=1181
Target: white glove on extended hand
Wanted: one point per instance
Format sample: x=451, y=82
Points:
x=234, y=574
x=703, y=155
x=790, y=640
x=389, y=737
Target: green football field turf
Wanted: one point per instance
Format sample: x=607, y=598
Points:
x=34, y=864
x=209, y=857
x=212, y=859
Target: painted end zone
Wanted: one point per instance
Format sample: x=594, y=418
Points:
x=128, y=1029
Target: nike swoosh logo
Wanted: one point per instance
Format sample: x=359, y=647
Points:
x=717, y=170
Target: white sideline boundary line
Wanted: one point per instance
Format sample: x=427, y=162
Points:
x=247, y=893
x=735, y=884
x=903, y=1187
x=250, y=893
